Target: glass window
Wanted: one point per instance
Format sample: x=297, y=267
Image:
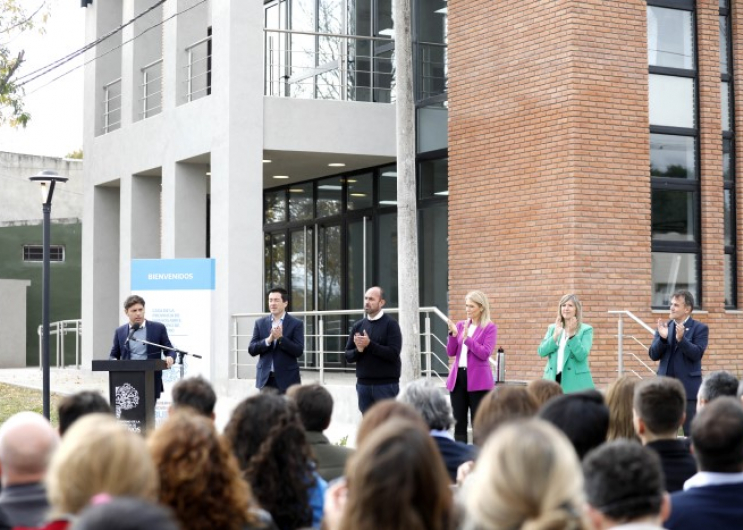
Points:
x=670, y=38
x=674, y=215
x=384, y=26
x=302, y=267
x=730, y=300
x=388, y=186
x=723, y=45
x=300, y=202
x=275, y=260
x=729, y=241
x=672, y=101
x=727, y=162
x=671, y=272
x=302, y=15
x=274, y=206
x=388, y=257
x=673, y=156
x=329, y=196
x=725, y=106
x=434, y=178
x=359, y=17
x=360, y=191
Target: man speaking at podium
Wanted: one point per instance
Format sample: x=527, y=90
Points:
x=128, y=339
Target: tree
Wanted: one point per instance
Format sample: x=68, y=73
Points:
x=75, y=155
x=13, y=21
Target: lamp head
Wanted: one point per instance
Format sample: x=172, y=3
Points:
x=47, y=178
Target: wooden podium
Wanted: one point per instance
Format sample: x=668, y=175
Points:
x=131, y=390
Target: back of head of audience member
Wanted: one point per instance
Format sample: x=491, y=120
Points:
x=624, y=484
x=199, y=476
x=714, y=385
x=501, y=404
x=27, y=443
x=582, y=416
x=77, y=405
x=659, y=408
x=196, y=393
x=430, y=402
x=528, y=477
x=397, y=480
x=543, y=390
x=717, y=436
x=125, y=513
x=619, y=398
x=98, y=454
x=315, y=405
x=383, y=411
x=266, y=435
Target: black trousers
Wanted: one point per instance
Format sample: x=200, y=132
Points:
x=462, y=402
x=691, y=410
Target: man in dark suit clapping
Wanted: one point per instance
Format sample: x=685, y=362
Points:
x=279, y=341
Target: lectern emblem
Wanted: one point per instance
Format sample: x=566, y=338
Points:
x=127, y=398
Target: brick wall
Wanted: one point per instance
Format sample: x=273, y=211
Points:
x=549, y=180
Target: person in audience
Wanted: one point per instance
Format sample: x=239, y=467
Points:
x=659, y=408
x=200, y=478
x=624, y=487
x=382, y=412
x=543, y=390
x=716, y=384
x=582, y=416
x=27, y=443
x=712, y=497
x=75, y=406
x=97, y=455
x=266, y=434
x=527, y=476
x=502, y=404
x=196, y=393
x=619, y=398
x=124, y=513
x=429, y=400
x=395, y=481
x=315, y=406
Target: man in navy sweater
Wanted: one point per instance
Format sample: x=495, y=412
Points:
x=374, y=345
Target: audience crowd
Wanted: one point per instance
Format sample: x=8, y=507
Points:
x=538, y=459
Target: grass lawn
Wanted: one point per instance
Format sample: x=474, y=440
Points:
x=15, y=399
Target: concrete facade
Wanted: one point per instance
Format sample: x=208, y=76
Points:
x=13, y=317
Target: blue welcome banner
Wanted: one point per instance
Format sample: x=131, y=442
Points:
x=173, y=274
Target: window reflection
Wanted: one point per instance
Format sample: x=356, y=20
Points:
x=671, y=272
x=670, y=38
x=673, y=156
x=673, y=215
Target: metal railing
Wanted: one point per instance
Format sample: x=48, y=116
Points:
x=620, y=343
x=325, y=340
x=152, y=89
x=112, y=106
x=314, y=65
x=198, y=69
x=59, y=330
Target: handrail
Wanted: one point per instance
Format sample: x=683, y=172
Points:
x=60, y=329
x=620, y=339
x=150, y=91
x=322, y=336
x=192, y=75
x=332, y=35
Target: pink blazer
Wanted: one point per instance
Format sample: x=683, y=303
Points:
x=479, y=348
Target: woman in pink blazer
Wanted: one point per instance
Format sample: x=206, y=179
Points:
x=471, y=342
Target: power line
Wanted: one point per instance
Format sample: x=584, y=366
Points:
x=106, y=53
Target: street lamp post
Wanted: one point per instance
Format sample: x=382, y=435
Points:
x=48, y=179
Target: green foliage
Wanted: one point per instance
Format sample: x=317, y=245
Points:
x=343, y=442
x=14, y=20
x=75, y=155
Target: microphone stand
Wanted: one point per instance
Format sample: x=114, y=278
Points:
x=179, y=353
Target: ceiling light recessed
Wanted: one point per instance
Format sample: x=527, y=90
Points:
x=351, y=181
x=358, y=194
x=266, y=161
x=208, y=173
x=336, y=164
x=296, y=190
x=442, y=192
x=389, y=174
x=387, y=32
x=387, y=203
x=281, y=176
x=329, y=187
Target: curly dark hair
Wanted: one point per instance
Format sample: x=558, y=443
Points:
x=199, y=476
x=268, y=438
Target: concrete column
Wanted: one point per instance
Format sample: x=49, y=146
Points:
x=170, y=54
x=184, y=210
x=128, y=98
x=236, y=166
x=100, y=270
x=145, y=217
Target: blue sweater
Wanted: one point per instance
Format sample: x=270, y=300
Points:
x=379, y=363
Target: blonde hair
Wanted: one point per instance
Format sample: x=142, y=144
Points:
x=578, y=309
x=99, y=455
x=480, y=299
x=528, y=477
x=619, y=399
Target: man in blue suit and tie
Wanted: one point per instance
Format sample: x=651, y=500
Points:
x=127, y=339
x=279, y=340
x=712, y=498
x=679, y=345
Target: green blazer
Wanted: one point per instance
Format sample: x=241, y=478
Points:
x=576, y=375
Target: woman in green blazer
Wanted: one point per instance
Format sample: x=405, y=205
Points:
x=567, y=345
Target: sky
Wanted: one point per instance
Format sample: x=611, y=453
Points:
x=56, y=125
